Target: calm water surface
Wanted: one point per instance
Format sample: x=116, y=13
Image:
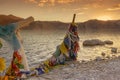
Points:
x=41, y=45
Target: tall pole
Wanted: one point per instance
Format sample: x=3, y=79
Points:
x=73, y=18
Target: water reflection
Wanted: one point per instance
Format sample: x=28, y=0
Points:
x=41, y=45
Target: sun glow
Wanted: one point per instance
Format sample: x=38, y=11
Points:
x=104, y=18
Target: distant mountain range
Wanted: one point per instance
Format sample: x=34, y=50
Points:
x=48, y=25
x=88, y=26
x=100, y=26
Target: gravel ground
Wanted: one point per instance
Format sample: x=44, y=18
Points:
x=92, y=70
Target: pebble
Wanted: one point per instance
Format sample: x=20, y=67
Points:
x=103, y=54
x=114, y=50
x=66, y=69
x=108, y=57
x=72, y=65
x=98, y=58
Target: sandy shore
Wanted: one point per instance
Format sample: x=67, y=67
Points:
x=92, y=70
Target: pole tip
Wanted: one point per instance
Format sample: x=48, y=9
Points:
x=74, y=18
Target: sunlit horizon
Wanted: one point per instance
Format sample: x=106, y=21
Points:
x=62, y=10
x=99, y=18
x=104, y=18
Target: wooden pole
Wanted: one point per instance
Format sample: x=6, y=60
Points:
x=74, y=16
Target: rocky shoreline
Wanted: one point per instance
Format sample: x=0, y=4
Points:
x=104, y=69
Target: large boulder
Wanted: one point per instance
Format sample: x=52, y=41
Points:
x=93, y=42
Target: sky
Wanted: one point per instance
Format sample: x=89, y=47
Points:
x=62, y=10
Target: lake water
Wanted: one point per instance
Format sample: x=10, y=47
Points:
x=41, y=45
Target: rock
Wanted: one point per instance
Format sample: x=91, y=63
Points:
x=114, y=56
x=72, y=65
x=98, y=58
x=119, y=57
x=108, y=42
x=23, y=76
x=114, y=50
x=103, y=54
x=66, y=69
x=93, y=42
x=83, y=61
x=0, y=44
x=108, y=56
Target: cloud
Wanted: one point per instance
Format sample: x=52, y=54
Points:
x=114, y=8
x=79, y=9
x=30, y=1
x=93, y=5
x=65, y=1
x=80, y=13
x=33, y=1
x=42, y=3
x=52, y=2
x=77, y=3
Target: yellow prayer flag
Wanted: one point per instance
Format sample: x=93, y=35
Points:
x=6, y=78
x=2, y=64
x=63, y=49
x=8, y=72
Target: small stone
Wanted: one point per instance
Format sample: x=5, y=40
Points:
x=119, y=57
x=83, y=61
x=108, y=57
x=98, y=58
x=66, y=69
x=114, y=50
x=114, y=56
x=91, y=60
x=23, y=76
x=72, y=65
x=103, y=54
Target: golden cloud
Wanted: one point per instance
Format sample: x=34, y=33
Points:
x=31, y=1
x=42, y=3
x=65, y=1
x=79, y=9
x=114, y=8
x=94, y=5
x=80, y=13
